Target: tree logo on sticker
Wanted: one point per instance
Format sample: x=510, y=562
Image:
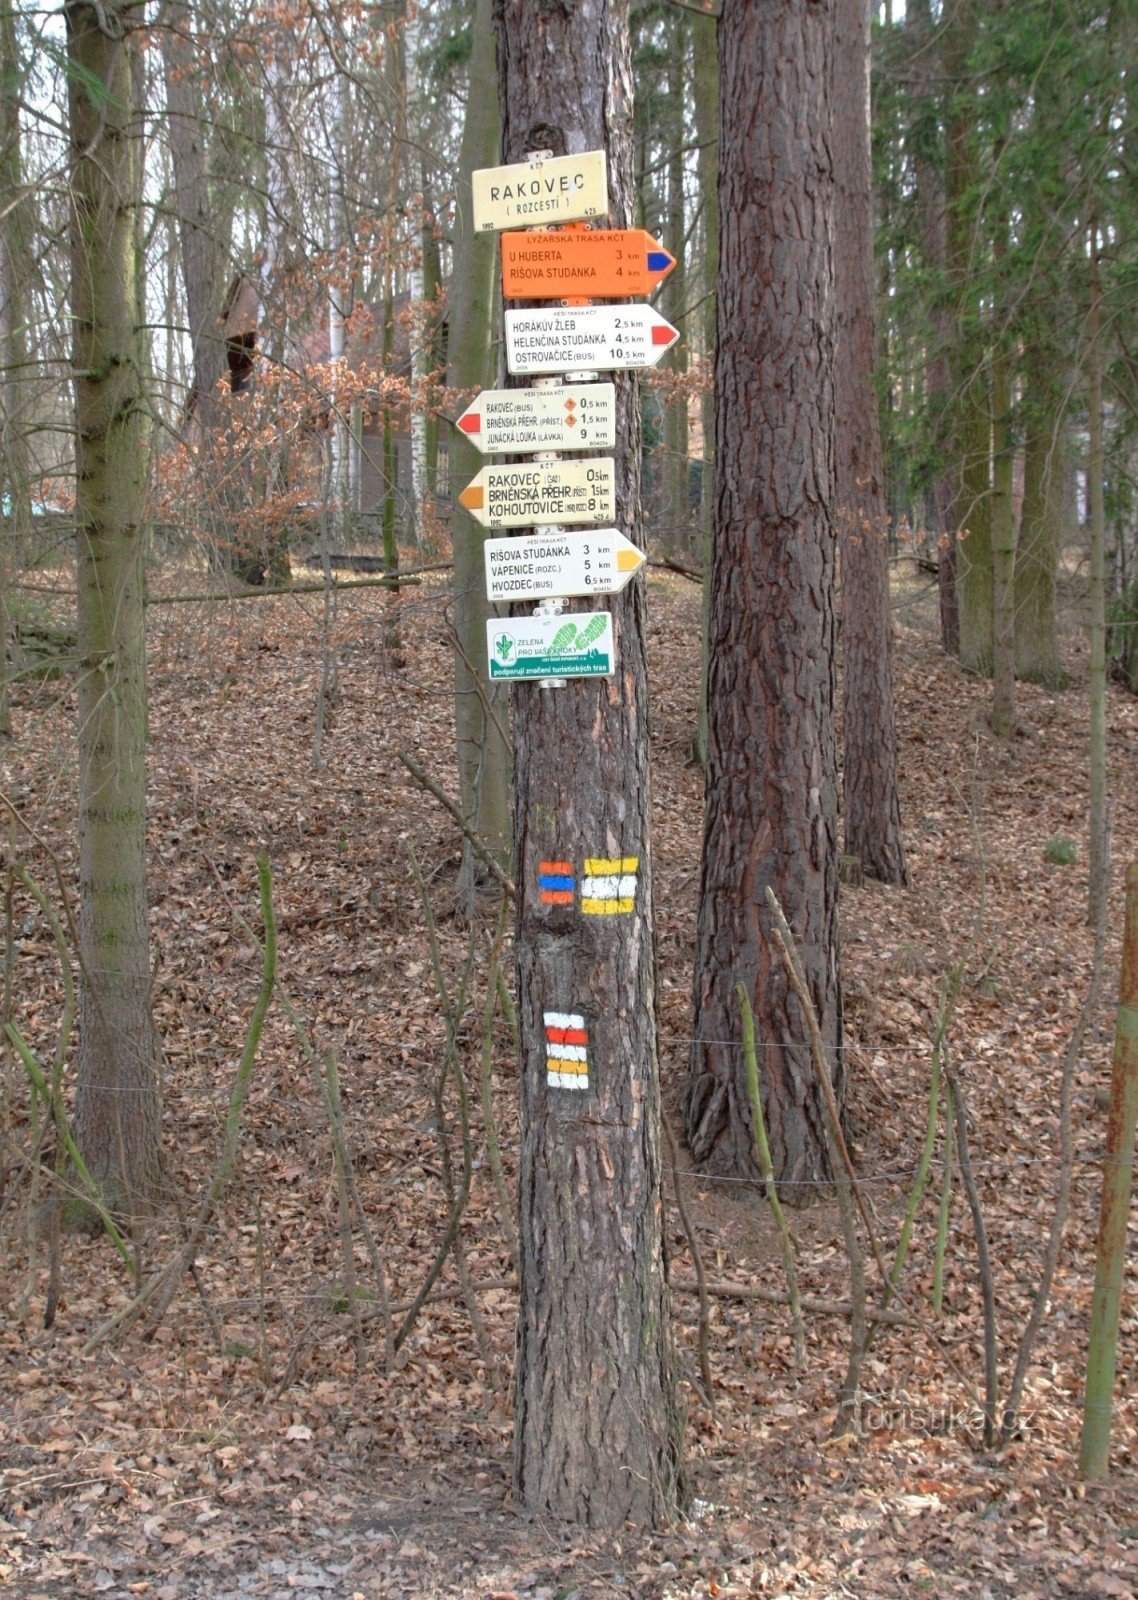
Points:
x=504, y=646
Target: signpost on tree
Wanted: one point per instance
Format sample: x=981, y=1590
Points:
x=597, y=1435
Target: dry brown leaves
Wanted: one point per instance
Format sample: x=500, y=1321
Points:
x=172, y=1467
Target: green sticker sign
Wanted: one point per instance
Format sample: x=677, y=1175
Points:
x=572, y=645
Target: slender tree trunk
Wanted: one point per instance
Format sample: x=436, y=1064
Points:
x=1096, y=468
x=678, y=526
x=706, y=98
x=16, y=265
x=971, y=410
x=117, y=1106
x=771, y=815
x=597, y=1436
x=484, y=760
x=925, y=134
x=869, y=769
x=1003, y=544
x=203, y=226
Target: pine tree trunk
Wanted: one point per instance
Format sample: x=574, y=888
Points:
x=869, y=769
x=117, y=1106
x=705, y=92
x=484, y=760
x=678, y=520
x=596, y=1428
x=771, y=816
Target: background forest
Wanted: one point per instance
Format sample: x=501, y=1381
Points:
x=269, y=991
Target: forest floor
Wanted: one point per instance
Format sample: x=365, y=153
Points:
x=254, y=1443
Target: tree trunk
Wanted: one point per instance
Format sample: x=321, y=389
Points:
x=705, y=92
x=1003, y=545
x=1096, y=471
x=484, y=759
x=925, y=137
x=971, y=429
x=1041, y=522
x=597, y=1434
x=869, y=769
x=771, y=816
x=677, y=535
x=16, y=265
x=203, y=228
x=117, y=1106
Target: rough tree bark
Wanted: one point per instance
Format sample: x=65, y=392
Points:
x=872, y=808
x=483, y=756
x=771, y=815
x=117, y=1108
x=705, y=99
x=596, y=1433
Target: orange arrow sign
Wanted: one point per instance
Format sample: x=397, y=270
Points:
x=590, y=262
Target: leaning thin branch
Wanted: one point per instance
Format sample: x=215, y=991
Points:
x=697, y=1262
x=467, y=831
x=845, y=1185
x=766, y=1166
x=987, y=1284
x=382, y=581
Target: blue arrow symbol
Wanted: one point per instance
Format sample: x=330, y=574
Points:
x=659, y=261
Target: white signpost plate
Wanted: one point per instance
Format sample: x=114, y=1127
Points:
x=558, y=189
x=577, y=338
x=572, y=645
x=600, y=562
x=573, y=416
x=540, y=493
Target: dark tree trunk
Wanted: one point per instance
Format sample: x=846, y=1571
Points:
x=203, y=225
x=596, y=1431
x=771, y=815
x=869, y=768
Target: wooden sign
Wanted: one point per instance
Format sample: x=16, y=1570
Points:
x=540, y=493
x=583, y=261
x=601, y=562
x=572, y=645
x=584, y=338
x=572, y=416
x=558, y=189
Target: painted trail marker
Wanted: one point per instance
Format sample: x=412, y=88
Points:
x=576, y=416
x=582, y=261
x=608, y=338
x=539, y=493
x=566, y=1050
x=571, y=645
x=601, y=562
x=558, y=189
